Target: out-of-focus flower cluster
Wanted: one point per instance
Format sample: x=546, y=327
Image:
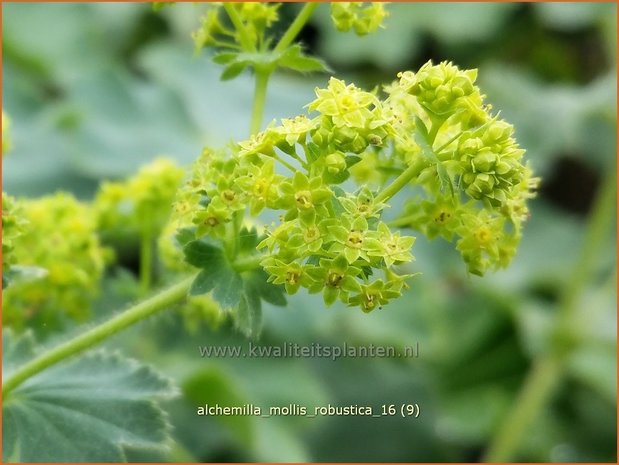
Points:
x=61, y=239
x=140, y=204
x=363, y=18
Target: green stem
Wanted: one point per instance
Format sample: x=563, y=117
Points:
x=296, y=26
x=398, y=183
x=244, y=38
x=146, y=261
x=286, y=164
x=409, y=173
x=262, y=80
x=248, y=263
x=84, y=341
x=437, y=122
x=237, y=221
x=536, y=390
x=547, y=369
x=598, y=227
x=402, y=222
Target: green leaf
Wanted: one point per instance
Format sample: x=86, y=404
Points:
x=217, y=274
x=213, y=385
x=233, y=70
x=19, y=274
x=225, y=58
x=96, y=408
x=293, y=58
x=249, y=313
x=271, y=293
x=203, y=253
x=223, y=281
x=248, y=241
x=185, y=235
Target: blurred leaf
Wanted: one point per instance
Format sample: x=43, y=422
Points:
x=570, y=16
x=95, y=408
x=214, y=386
x=551, y=120
x=486, y=404
x=249, y=314
x=596, y=367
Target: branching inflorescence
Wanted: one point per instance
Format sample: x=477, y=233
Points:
x=327, y=175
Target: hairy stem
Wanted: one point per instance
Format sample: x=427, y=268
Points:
x=84, y=341
x=547, y=369
x=260, y=93
x=296, y=26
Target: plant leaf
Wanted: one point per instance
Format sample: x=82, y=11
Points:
x=249, y=313
x=95, y=408
x=225, y=58
x=203, y=253
x=293, y=58
x=271, y=293
x=217, y=274
x=233, y=70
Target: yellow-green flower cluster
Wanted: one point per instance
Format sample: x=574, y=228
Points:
x=140, y=204
x=61, y=239
x=362, y=18
x=469, y=164
x=351, y=119
x=332, y=242
x=256, y=18
x=431, y=129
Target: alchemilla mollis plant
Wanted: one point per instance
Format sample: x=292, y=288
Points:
x=304, y=204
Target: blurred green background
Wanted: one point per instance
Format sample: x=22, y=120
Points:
x=96, y=90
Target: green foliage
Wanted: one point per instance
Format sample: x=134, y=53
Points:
x=98, y=407
x=231, y=284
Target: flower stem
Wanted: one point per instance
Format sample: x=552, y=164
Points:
x=260, y=92
x=547, y=369
x=409, y=173
x=244, y=38
x=296, y=26
x=398, y=183
x=248, y=263
x=84, y=341
x=536, y=390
